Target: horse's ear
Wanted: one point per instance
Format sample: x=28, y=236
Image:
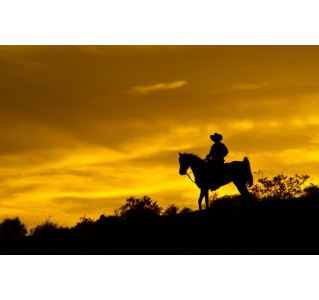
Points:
x=180, y=154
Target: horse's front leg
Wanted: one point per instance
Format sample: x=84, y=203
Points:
x=201, y=196
x=206, y=198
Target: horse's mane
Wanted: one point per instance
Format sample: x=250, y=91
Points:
x=193, y=155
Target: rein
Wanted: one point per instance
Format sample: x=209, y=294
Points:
x=190, y=177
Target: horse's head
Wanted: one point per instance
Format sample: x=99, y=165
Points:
x=183, y=164
x=187, y=160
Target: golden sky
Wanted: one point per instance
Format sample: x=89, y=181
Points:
x=84, y=128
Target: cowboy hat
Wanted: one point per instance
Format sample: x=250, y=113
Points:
x=216, y=137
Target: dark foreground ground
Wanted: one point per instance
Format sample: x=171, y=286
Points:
x=227, y=227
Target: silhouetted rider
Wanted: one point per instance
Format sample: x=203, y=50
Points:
x=218, y=151
x=215, y=160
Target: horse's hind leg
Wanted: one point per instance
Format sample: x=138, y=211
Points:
x=241, y=186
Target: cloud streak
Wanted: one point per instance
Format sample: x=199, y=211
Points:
x=250, y=86
x=158, y=87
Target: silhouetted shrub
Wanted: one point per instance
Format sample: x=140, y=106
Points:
x=138, y=208
x=171, y=210
x=225, y=202
x=312, y=191
x=279, y=187
x=185, y=210
x=109, y=220
x=212, y=197
x=47, y=229
x=84, y=223
x=12, y=229
x=231, y=197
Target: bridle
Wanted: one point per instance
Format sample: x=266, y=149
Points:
x=190, y=177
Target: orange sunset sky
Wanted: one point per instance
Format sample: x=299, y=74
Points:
x=85, y=127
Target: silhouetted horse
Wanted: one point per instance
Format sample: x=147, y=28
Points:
x=237, y=172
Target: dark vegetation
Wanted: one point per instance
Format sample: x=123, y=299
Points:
x=282, y=219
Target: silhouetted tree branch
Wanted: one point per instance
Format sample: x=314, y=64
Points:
x=279, y=187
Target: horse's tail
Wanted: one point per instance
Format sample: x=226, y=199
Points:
x=249, y=175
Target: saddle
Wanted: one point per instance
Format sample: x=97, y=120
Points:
x=215, y=173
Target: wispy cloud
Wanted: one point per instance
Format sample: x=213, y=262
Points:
x=242, y=87
x=158, y=87
x=249, y=86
